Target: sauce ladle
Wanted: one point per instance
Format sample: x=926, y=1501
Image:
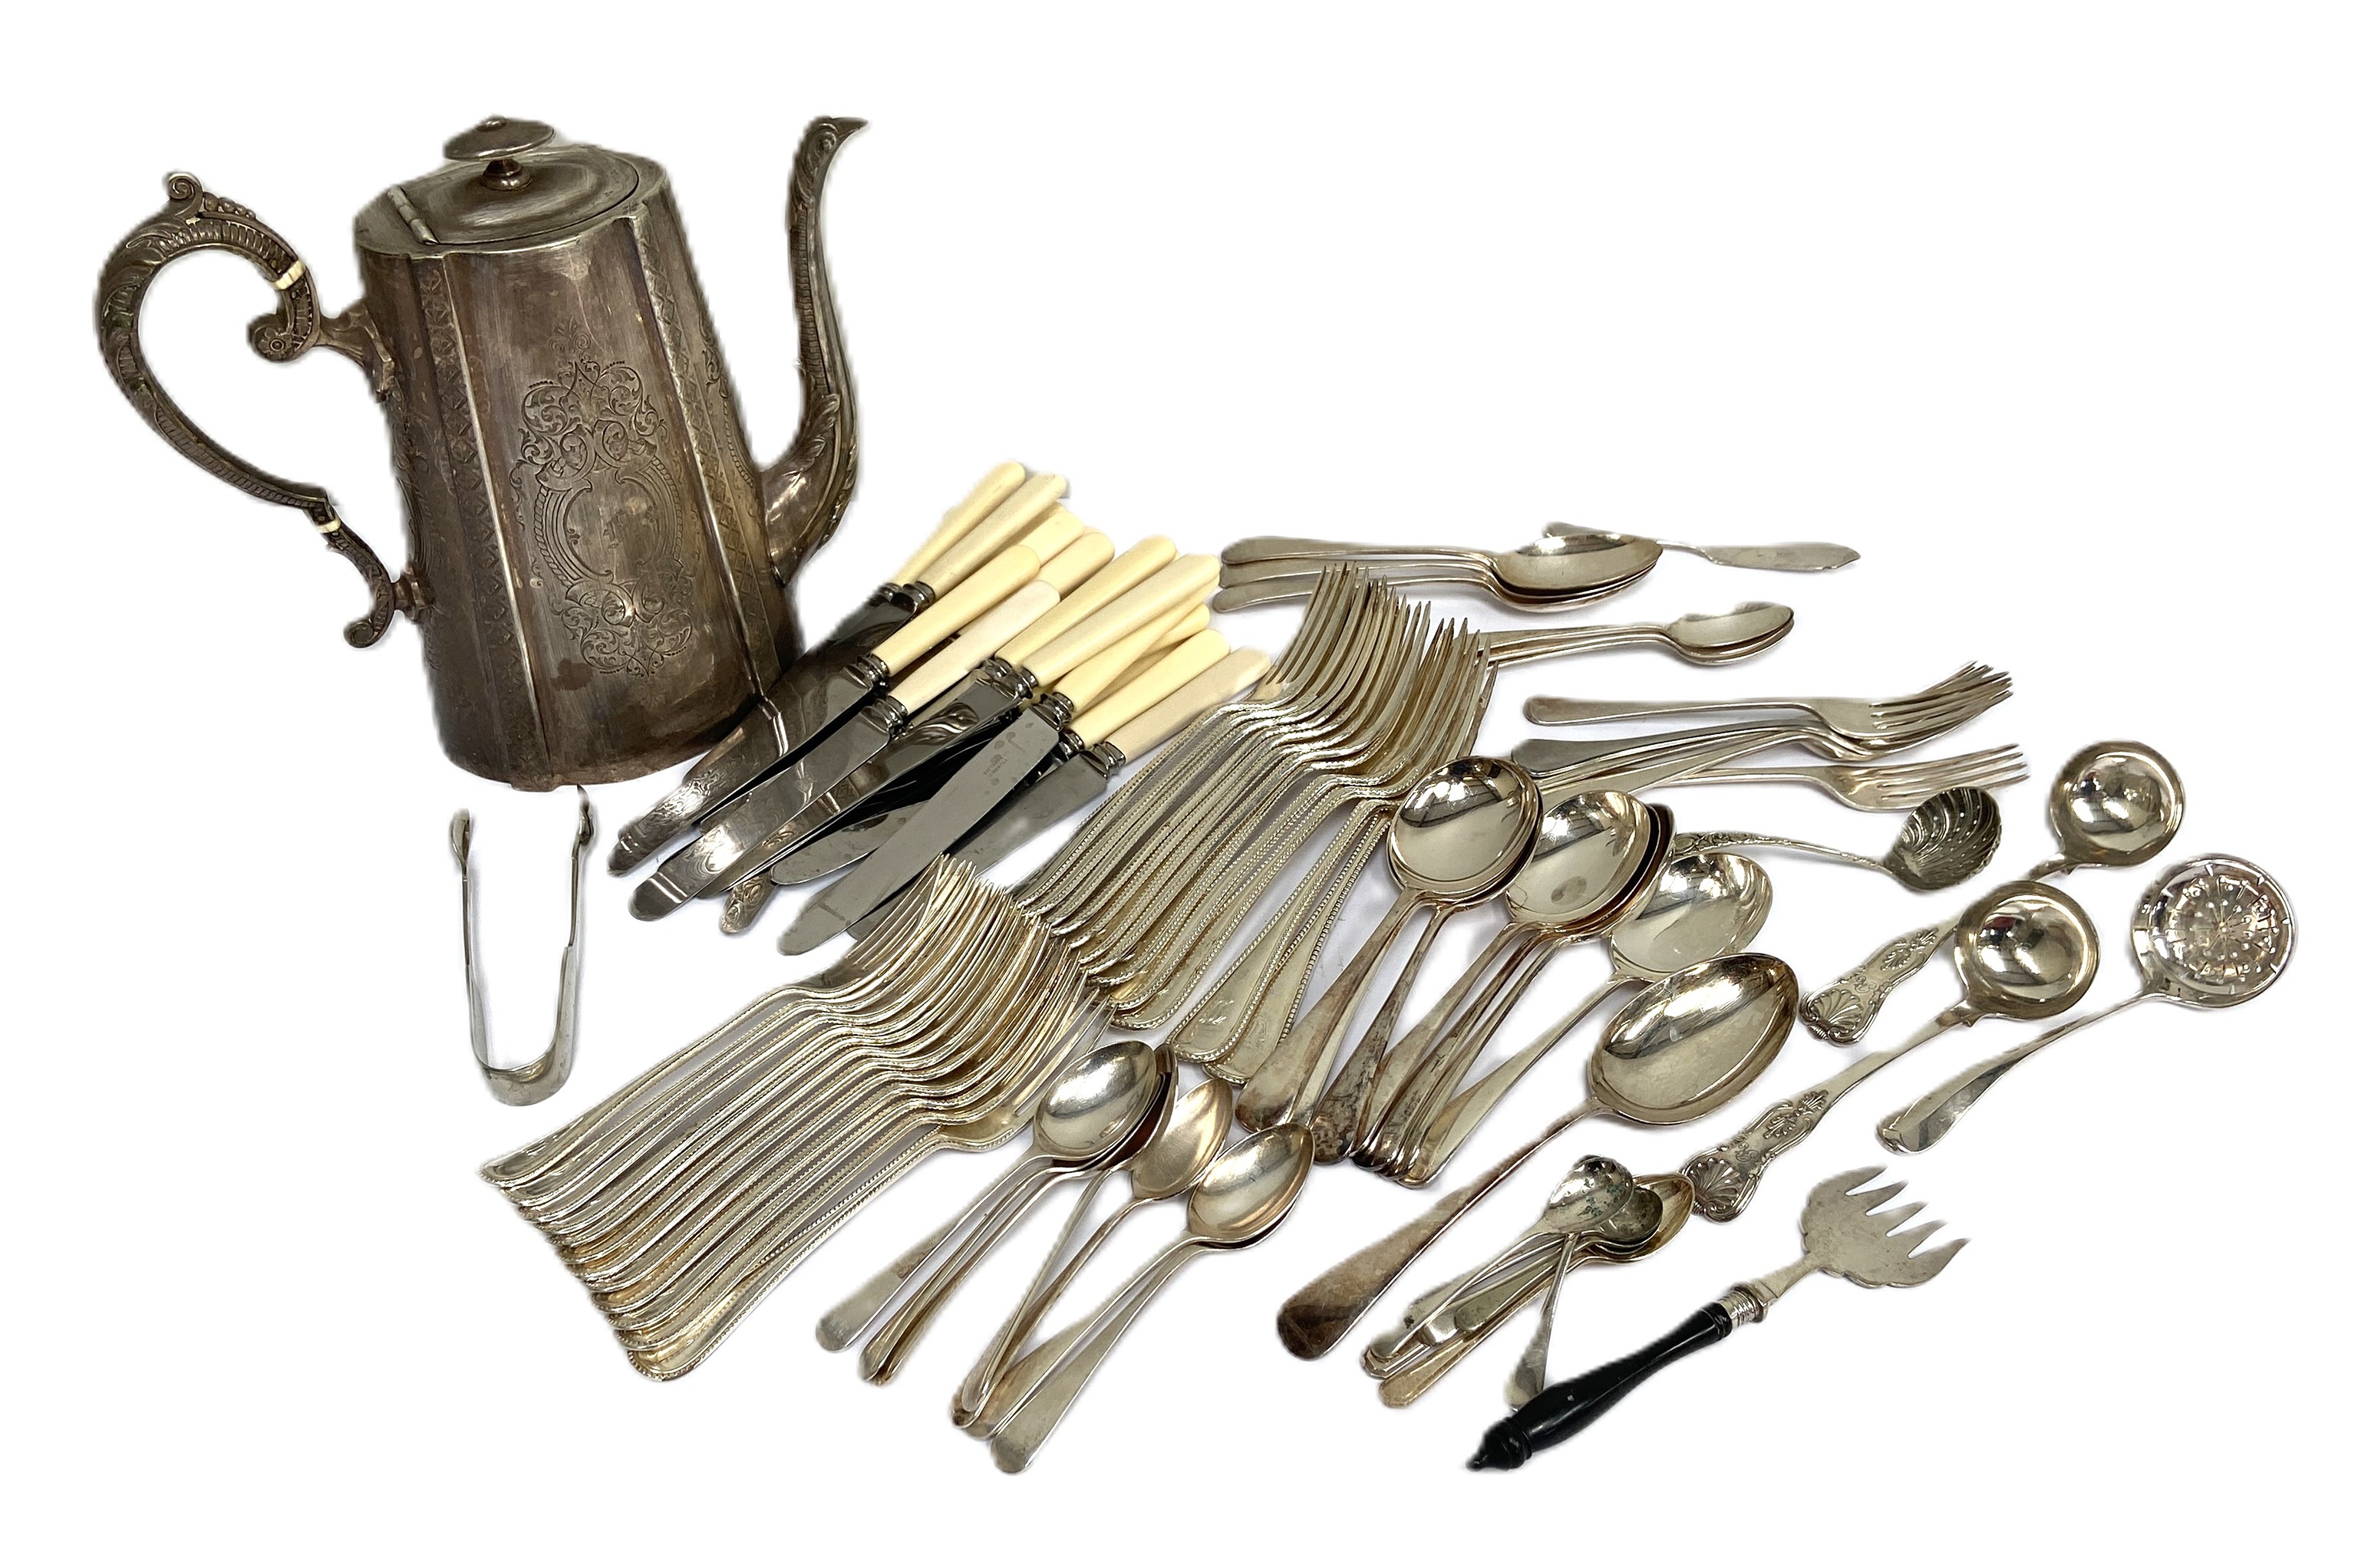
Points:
x=2212, y=933
x=2023, y=951
x=1709, y=1032
x=2116, y=803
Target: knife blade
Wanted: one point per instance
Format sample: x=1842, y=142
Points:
x=819, y=687
x=1083, y=665
x=1066, y=784
x=756, y=827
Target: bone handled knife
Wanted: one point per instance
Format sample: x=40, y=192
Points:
x=803, y=801
x=786, y=807
x=868, y=822
x=706, y=860
x=1078, y=667
x=1066, y=784
x=823, y=685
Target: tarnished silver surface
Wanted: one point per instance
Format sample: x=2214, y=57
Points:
x=2023, y=951
x=2114, y=804
x=2212, y=933
x=531, y=1083
x=599, y=565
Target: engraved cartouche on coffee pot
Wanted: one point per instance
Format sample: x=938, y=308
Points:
x=596, y=565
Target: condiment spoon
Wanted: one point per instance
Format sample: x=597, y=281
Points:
x=1947, y=838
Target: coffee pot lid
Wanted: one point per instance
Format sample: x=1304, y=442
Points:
x=511, y=179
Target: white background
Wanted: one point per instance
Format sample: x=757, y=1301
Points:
x=2049, y=310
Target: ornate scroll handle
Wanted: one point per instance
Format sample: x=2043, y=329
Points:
x=806, y=491
x=195, y=219
x=1727, y=1174
x=1738, y=838
x=1841, y=1011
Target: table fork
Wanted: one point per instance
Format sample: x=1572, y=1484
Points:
x=1885, y=787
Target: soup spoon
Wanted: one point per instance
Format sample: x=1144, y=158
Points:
x=1709, y=1031
x=1168, y=1167
x=2212, y=933
x=2116, y=803
x=2023, y=951
x=1947, y=838
x=1704, y=905
x=1455, y=841
x=1103, y=1104
x=1241, y=1199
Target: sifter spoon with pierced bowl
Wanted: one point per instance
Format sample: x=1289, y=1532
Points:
x=2116, y=803
x=2212, y=933
x=1947, y=838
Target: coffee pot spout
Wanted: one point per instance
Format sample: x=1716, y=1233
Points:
x=804, y=492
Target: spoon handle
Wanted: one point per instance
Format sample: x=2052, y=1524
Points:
x=1558, y=641
x=1016, y=1443
x=1532, y=1367
x=1921, y=1124
x=1406, y=1057
x=1438, y=1076
x=1300, y=1062
x=1049, y=1282
x=1841, y=1011
x=1312, y=1321
x=1738, y=838
x=844, y=1321
x=1404, y=1386
x=1273, y=547
x=1802, y=556
x=1460, y=1118
x=898, y=1335
x=1726, y=1175
x=1033, y=1371
x=1339, y=1110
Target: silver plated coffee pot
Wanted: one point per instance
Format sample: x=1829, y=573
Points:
x=598, y=567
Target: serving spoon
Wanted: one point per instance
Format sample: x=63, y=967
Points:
x=2023, y=951
x=1455, y=841
x=1713, y=1029
x=1947, y=838
x=1166, y=1168
x=2212, y=933
x=2116, y=803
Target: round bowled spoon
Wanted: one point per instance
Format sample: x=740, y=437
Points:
x=2023, y=951
x=1696, y=1040
x=1947, y=838
x=1703, y=906
x=1101, y=1102
x=2115, y=803
x=1455, y=840
x=1241, y=1199
x=1169, y=1166
x=1597, y=852
x=2212, y=933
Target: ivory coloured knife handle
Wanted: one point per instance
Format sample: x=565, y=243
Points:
x=1183, y=582
x=1056, y=529
x=990, y=491
x=1005, y=524
x=1111, y=582
x=975, y=645
x=1002, y=575
x=1167, y=674
x=1233, y=674
x=1075, y=564
x=1096, y=676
